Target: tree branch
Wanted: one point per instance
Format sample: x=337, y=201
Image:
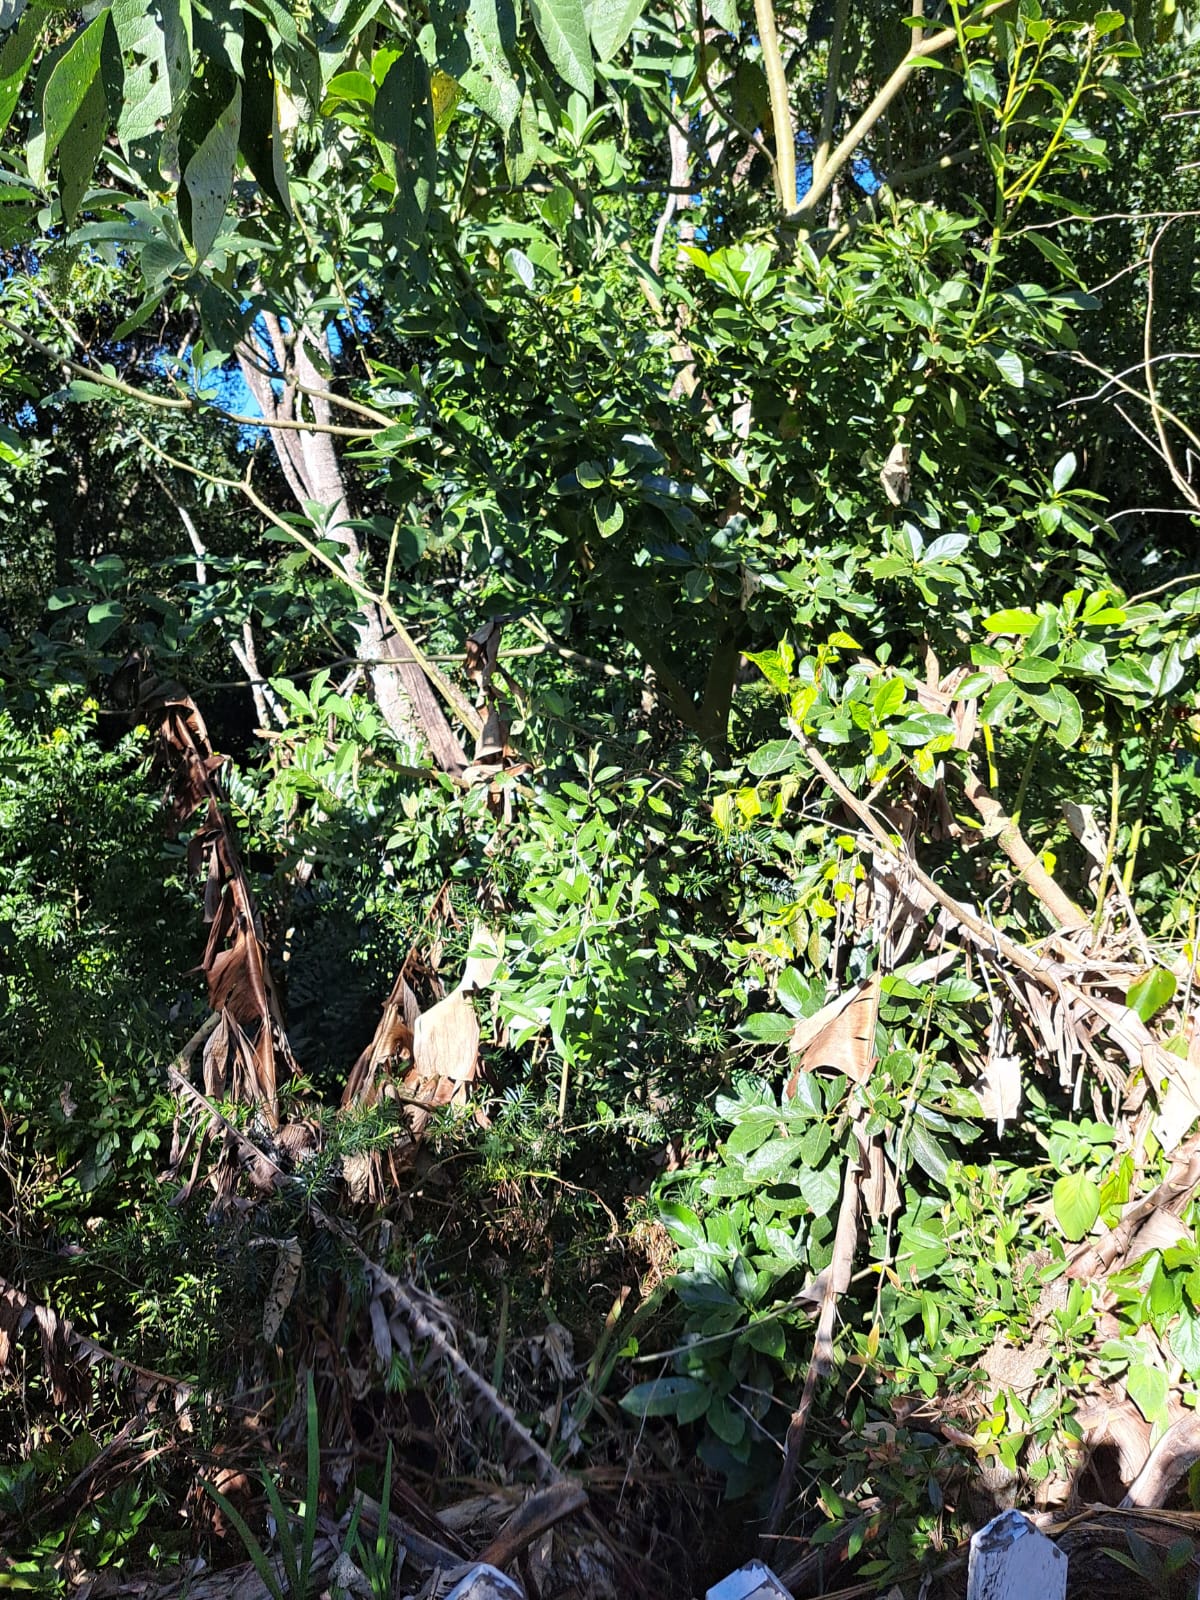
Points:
x=903, y=72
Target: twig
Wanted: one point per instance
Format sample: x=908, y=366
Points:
x=165, y=402
x=914, y=58
x=837, y=1281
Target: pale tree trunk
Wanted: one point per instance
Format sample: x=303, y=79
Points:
x=310, y=464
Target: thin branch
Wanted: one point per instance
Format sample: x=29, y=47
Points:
x=833, y=68
x=914, y=58
x=165, y=402
x=1136, y=394
x=781, y=111
x=1156, y=410
x=1104, y=216
x=726, y=116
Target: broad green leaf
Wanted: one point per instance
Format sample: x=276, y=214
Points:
x=768, y=1027
x=610, y=22
x=775, y=666
x=973, y=685
x=208, y=148
x=1148, y=994
x=485, y=69
x=682, y=1224
x=16, y=55
x=726, y=1421
x=1185, y=1342
x=79, y=147
x=724, y=13
x=1147, y=1388
x=1034, y=669
x=1010, y=622
x=1011, y=368
x=767, y=1336
x=794, y=994
x=661, y=1396
x=1076, y=1204
x=889, y=696
x=1070, y=717
x=820, y=1187
x=67, y=89
x=1064, y=471
x=562, y=28
x=259, y=138
x=1130, y=678
x=404, y=123
x=779, y=755
x=156, y=47
x=774, y=1162
x=928, y=1152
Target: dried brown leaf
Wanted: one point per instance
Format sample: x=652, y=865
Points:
x=283, y=1287
x=840, y=1035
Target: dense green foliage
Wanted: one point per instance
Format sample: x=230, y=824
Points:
x=829, y=820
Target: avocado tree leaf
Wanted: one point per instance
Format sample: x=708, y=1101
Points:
x=208, y=151
x=610, y=22
x=259, y=137
x=562, y=28
x=404, y=125
x=156, y=51
x=16, y=54
x=81, y=143
x=68, y=86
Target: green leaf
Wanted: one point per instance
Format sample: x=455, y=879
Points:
x=794, y=994
x=487, y=44
x=259, y=138
x=1185, y=1342
x=1011, y=368
x=768, y=1337
x=1070, y=717
x=768, y=1027
x=775, y=666
x=562, y=28
x=1064, y=471
x=820, y=1187
x=81, y=144
x=928, y=1153
x=16, y=55
x=724, y=13
x=660, y=1397
x=404, y=123
x=1148, y=994
x=682, y=1224
x=1076, y=1204
x=157, y=55
x=889, y=696
x=1147, y=1388
x=610, y=22
x=208, y=148
x=1034, y=669
x=67, y=88
x=1127, y=677
x=1010, y=622
x=778, y=755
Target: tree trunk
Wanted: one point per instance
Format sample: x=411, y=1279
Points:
x=310, y=464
